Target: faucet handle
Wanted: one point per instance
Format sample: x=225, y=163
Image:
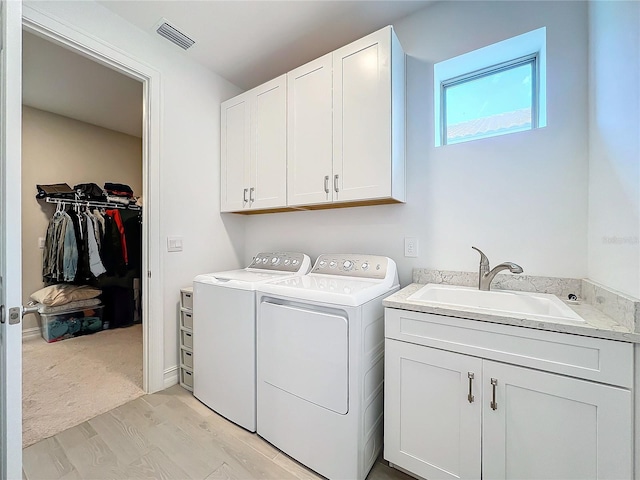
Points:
x=484, y=261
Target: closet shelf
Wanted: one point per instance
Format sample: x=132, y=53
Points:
x=89, y=203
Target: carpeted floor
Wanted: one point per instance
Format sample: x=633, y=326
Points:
x=66, y=383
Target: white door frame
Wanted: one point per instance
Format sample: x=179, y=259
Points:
x=10, y=234
x=53, y=30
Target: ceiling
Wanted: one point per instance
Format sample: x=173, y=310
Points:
x=246, y=42
x=60, y=81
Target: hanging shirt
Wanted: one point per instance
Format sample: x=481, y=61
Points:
x=95, y=264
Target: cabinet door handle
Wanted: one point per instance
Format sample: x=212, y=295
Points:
x=251, y=198
x=244, y=195
x=470, y=397
x=335, y=183
x=494, y=383
x=326, y=184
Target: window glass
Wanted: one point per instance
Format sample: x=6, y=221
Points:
x=494, y=103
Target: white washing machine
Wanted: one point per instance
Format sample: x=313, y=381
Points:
x=224, y=333
x=321, y=363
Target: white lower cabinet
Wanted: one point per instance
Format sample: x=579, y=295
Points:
x=431, y=428
x=454, y=415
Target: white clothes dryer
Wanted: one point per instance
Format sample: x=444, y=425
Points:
x=224, y=333
x=321, y=363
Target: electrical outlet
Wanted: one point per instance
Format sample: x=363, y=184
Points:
x=41, y=243
x=410, y=247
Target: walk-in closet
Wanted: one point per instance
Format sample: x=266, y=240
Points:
x=82, y=223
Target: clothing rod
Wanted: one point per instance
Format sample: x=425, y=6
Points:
x=89, y=203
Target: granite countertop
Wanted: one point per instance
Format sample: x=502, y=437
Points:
x=596, y=324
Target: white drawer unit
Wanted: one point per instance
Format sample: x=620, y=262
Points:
x=186, y=298
x=186, y=358
x=186, y=338
x=186, y=318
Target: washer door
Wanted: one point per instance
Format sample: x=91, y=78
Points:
x=305, y=353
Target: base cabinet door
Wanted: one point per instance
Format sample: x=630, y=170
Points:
x=432, y=411
x=540, y=425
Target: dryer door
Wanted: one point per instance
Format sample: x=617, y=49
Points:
x=305, y=352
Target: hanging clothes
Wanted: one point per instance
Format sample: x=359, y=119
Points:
x=115, y=214
x=60, y=254
x=72, y=247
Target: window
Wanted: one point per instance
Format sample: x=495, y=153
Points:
x=492, y=91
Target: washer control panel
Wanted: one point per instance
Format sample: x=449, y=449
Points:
x=352, y=265
x=280, y=261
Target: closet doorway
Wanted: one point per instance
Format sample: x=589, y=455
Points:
x=82, y=124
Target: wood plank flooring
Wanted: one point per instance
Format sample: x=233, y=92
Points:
x=168, y=435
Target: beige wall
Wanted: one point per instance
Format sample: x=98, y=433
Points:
x=58, y=149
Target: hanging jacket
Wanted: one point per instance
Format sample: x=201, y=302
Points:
x=115, y=214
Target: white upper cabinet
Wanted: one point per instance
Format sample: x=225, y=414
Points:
x=368, y=119
x=331, y=131
x=234, y=153
x=254, y=149
x=310, y=131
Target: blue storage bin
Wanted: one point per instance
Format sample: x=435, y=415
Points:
x=73, y=323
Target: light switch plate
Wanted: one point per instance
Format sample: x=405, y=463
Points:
x=174, y=244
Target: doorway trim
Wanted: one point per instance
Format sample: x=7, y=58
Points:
x=80, y=42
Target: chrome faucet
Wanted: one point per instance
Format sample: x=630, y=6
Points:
x=485, y=276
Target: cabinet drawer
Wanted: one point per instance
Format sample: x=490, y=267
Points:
x=186, y=358
x=186, y=338
x=186, y=378
x=605, y=361
x=186, y=298
x=186, y=319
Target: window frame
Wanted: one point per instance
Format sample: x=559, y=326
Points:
x=507, y=50
x=531, y=59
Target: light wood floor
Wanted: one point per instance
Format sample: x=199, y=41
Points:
x=167, y=435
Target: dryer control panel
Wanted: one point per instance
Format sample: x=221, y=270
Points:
x=352, y=265
x=281, y=261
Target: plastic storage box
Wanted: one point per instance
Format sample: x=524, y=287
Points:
x=73, y=323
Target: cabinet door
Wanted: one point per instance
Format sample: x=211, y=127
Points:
x=268, y=174
x=547, y=426
x=310, y=148
x=362, y=118
x=234, y=153
x=432, y=426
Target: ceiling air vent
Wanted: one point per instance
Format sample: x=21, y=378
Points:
x=173, y=34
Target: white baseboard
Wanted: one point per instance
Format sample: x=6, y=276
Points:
x=171, y=376
x=29, y=333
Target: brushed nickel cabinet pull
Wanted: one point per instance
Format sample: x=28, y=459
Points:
x=326, y=184
x=244, y=195
x=494, y=383
x=335, y=183
x=251, y=197
x=470, y=397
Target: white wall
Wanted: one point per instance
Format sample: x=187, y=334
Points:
x=189, y=154
x=519, y=197
x=57, y=149
x=614, y=145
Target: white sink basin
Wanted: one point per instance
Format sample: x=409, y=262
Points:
x=535, y=306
